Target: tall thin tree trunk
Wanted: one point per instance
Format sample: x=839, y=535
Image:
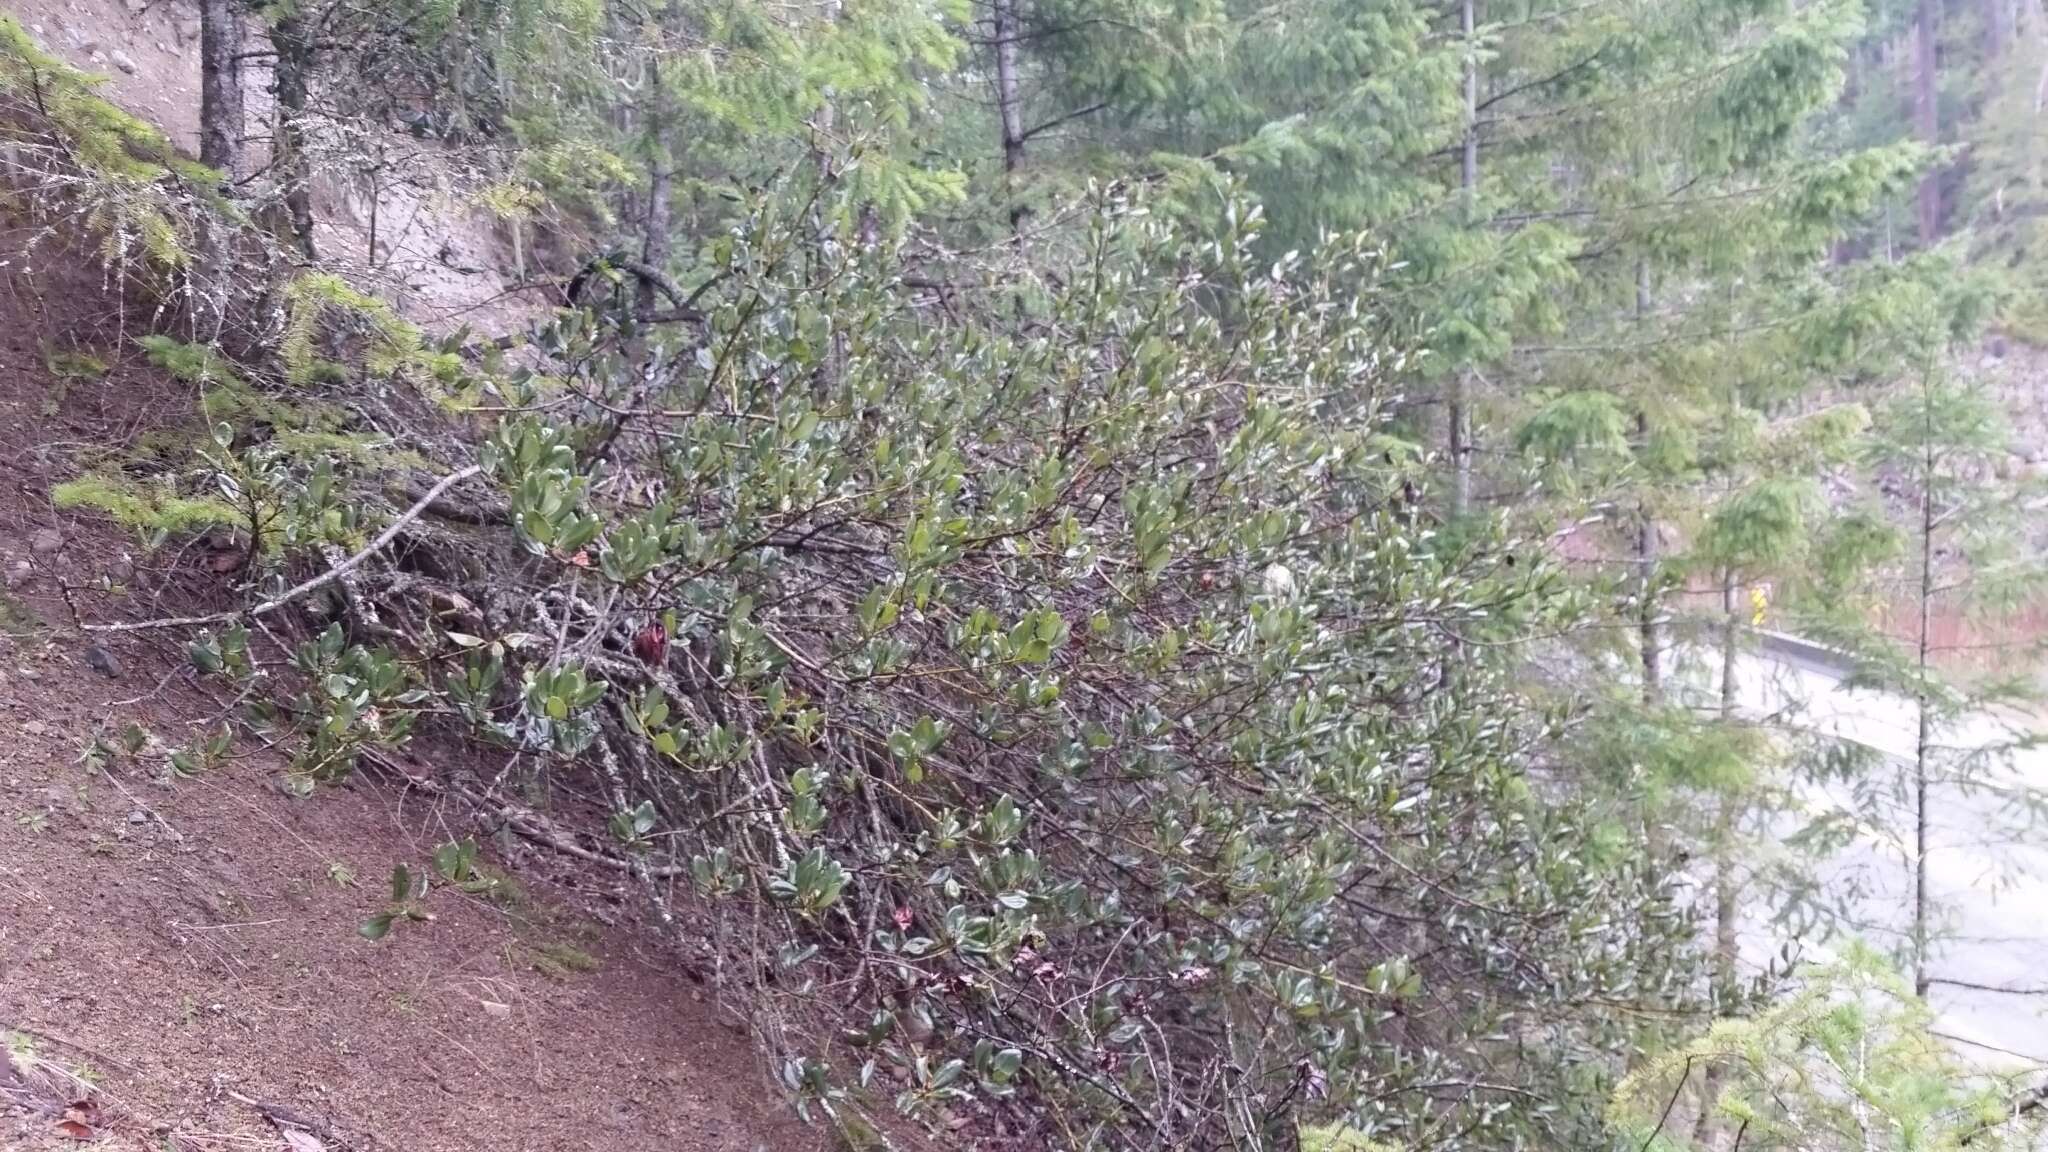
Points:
x=290, y=39
x=1649, y=604
x=1727, y=896
x=657, y=116
x=1458, y=404
x=220, y=148
x=1469, y=170
x=1727, y=892
x=375, y=172
x=823, y=121
x=1458, y=416
x=1731, y=643
x=1922, y=743
x=220, y=86
x=1009, y=100
x=1927, y=113
x=657, y=223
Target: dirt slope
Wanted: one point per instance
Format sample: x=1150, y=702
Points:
x=189, y=947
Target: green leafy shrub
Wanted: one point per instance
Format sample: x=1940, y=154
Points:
x=355, y=698
x=1071, y=667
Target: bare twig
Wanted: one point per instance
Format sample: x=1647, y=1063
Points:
x=1665, y=1117
x=282, y=1118
x=338, y=571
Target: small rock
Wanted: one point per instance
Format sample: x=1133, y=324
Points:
x=138, y=817
x=19, y=573
x=188, y=31
x=28, y=674
x=135, y=7
x=121, y=570
x=123, y=61
x=102, y=661
x=46, y=541
x=36, y=728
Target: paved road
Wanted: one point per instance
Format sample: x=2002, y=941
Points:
x=1987, y=867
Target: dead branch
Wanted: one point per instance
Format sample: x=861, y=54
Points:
x=383, y=540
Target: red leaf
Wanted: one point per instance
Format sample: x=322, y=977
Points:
x=650, y=644
x=902, y=918
x=76, y=1129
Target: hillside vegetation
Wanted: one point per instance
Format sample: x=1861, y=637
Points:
x=1111, y=574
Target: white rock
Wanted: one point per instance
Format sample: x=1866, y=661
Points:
x=124, y=62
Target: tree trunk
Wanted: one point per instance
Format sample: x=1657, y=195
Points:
x=1927, y=114
x=220, y=86
x=657, y=223
x=1458, y=403
x=1727, y=907
x=823, y=121
x=1731, y=637
x=1727, y=891
x=1469, y=170
x=1458, y=416
x=291, y=40
x=1922, y=744
x=1009, y=100
x=1920, y=751
x=220, y=148
x=1649, y=604
x=657, y=220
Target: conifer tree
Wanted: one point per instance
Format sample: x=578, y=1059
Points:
x=1964, y=552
